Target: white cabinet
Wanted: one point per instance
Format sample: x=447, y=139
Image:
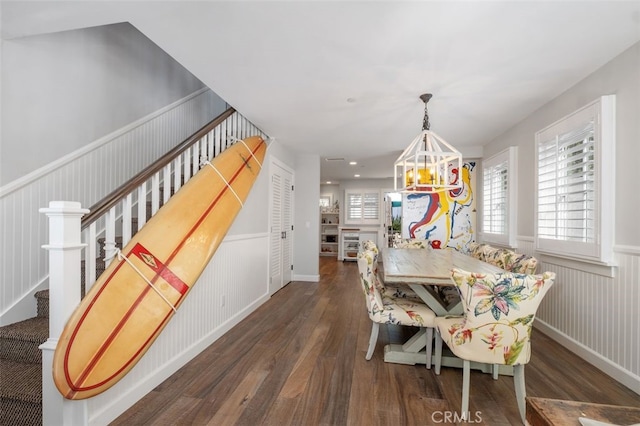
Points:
x=329, y=233
x=350, y=244
x=351, y=241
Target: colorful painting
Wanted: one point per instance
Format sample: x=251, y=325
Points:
x=448, y=217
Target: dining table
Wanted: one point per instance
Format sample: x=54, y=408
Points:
x=426, y=272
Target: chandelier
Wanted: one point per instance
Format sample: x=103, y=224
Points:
x=429, y=164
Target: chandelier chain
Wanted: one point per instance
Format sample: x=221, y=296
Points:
x=425, y=122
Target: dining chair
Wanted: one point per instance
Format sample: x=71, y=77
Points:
x=393, y=290
x=385, y=309
x=499, y=310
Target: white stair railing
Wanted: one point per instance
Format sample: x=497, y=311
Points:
x=121, y=214
x=135, y=207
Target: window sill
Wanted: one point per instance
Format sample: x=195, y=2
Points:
x=599, y=268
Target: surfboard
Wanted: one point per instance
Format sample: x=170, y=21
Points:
x=140, y=291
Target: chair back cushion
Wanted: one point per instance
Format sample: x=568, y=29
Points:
x=479, y=251
x=499, y=310
x=471, y=248
x=367, y=269
x=519, y=263
x=413, y=243
x=370, y=245
x=493, y=255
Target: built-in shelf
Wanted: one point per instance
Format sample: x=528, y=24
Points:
x=329, y=233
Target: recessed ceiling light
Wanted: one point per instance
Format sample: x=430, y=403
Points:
x=356, y=175
x=328, y=182
x=353, y=163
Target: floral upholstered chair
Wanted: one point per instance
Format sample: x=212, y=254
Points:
x=499, y=310
x=384, y=309
x=388, y=289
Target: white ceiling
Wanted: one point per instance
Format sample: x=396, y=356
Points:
x=343, y=79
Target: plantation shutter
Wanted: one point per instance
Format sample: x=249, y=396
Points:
x=566, y=186
x=362, y=207
x=495, y=186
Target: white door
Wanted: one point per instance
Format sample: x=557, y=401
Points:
x=281, y=226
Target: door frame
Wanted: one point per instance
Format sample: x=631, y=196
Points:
x=273, y=163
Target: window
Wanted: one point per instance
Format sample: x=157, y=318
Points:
x=499, y=182
x=575, y=182
x=362, y=207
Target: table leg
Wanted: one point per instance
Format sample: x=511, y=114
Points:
x=426, y=294
x=411, y=352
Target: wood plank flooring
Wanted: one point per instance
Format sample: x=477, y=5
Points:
x=299, y=360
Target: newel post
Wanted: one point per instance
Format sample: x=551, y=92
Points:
x=65, y=254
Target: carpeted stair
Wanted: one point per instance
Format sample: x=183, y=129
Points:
x=21, y=367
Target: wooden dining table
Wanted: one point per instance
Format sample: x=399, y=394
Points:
x=424, y=270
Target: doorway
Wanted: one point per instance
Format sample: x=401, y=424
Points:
x=392, y=217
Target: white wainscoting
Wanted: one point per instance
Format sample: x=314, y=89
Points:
x=594, y=316
x=239, y=271
x=85, y=176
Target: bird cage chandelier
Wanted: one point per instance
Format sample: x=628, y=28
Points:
x=429, y=164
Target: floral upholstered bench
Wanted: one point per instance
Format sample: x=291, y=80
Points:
x=503, y=258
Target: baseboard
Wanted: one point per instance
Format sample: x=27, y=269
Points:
x=309, y=278
x=616, y=372
x=129, y=397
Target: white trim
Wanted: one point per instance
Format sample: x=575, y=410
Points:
x=633, y=250
x=510, y=157
x=54, y=165
x=623, y=376
x=602, y=113
x=272, y=164
x=307, y=278
x=362, y=221
x=25, y=306
x=282, y=165
x=240, y=237
x=525, y=239
x=618, y=248
x=592, y=267
x=599, y=268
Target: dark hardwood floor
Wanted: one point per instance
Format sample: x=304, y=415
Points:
x=299, y=360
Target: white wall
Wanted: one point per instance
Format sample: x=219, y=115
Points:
x=64, y=90
x=306, y=218
x=595, y=316
x=381, y=184
x=333, y=190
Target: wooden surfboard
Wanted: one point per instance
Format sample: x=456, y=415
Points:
x=137, y=295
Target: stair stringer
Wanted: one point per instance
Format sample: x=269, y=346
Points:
x=23, y=307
